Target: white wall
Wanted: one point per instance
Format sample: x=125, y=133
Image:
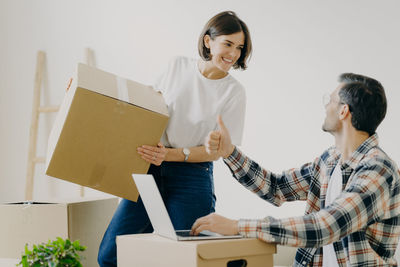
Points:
x=300, y=47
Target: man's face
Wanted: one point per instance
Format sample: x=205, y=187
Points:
x=332, y=107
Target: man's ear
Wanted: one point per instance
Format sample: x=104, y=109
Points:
x=206, y=40
x=344, y=112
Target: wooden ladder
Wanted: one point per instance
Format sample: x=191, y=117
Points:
x=33, y=159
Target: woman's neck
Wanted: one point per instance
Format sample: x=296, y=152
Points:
x=210, y=71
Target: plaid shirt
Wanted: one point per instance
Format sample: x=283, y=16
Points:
x=363, y=223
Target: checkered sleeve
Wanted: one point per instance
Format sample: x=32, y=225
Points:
x=291, y=185
x=366, y=200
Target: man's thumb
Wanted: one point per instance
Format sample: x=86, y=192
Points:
x=221, y=124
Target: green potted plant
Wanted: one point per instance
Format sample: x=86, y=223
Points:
x=53, y=254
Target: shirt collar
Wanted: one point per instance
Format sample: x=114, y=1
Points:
x=359, y=153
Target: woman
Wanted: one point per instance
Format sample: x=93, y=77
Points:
x=196, y=92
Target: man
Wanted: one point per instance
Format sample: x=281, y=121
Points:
x=352, y=190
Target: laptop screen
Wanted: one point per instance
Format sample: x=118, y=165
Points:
x=154, y=205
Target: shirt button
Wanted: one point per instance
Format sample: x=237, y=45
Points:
x=304, y=263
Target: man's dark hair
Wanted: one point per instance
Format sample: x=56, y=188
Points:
x=226, y=23
x=366, y=100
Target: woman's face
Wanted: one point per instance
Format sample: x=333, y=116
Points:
x=225, y=49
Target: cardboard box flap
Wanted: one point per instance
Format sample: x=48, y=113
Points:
x=116, y=87
x=230, y=248
x=28, y=203
x=59, y=201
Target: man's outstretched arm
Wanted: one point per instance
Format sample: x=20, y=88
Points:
x=290, y=185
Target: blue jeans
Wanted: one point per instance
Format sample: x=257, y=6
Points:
x=188, y=193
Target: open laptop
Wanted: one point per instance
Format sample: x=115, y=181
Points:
x=159, y=216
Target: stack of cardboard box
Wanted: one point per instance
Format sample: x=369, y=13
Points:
x=38, y=222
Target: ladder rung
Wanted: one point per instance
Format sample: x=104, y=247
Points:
x=49, y=109
x=39, y=159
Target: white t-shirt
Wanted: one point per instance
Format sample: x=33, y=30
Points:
x=194, y=103
x=334, y=189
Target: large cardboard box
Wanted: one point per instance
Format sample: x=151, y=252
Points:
x=37, y=223
x=152, y=250
x=100, y=124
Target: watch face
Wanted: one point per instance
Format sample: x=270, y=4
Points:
x=186, y=151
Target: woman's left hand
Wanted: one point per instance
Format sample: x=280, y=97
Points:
x=153, y=154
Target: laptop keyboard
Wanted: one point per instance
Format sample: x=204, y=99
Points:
x=187, y=233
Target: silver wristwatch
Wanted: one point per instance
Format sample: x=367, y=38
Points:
x=186, y=152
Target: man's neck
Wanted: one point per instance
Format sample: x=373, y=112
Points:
x=348, y=141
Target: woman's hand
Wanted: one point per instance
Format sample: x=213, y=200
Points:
x=153, y=154
x=69, y=84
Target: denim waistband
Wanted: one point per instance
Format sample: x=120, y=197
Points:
x=187, y=164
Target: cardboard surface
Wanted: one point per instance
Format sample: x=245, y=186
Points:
x=153, y=250
x=37, y=223
x=101, y=122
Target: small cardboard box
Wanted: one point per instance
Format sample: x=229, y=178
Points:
x=152, y=250
x=37, y=223
x=100, y=124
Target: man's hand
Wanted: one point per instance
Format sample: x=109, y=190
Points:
x=219, y=142
x=215, y=223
